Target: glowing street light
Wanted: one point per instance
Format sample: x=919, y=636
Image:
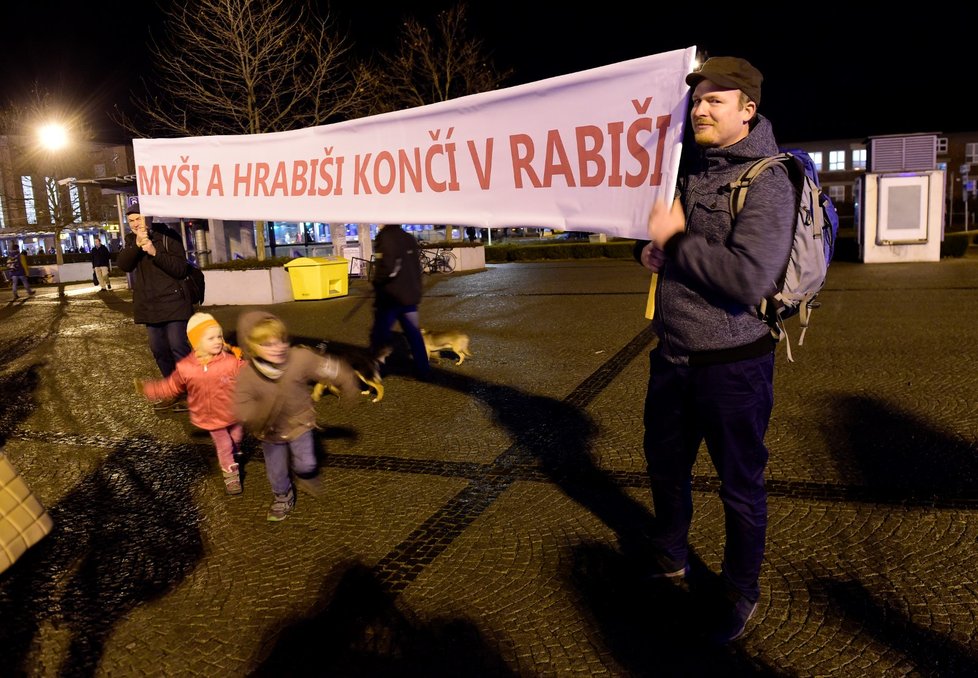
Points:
x=53, y=136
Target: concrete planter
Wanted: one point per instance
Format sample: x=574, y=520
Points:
x=65, y=273
x=238, y=288
x=274, y=285
x=470, y=258
x=466, y=258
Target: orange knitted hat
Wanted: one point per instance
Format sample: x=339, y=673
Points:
x=197, y=325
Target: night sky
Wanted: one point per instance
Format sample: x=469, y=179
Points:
x=848, y=72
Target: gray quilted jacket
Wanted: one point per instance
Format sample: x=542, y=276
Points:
x=717, y=271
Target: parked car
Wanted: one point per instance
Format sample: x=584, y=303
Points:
x=573, y=235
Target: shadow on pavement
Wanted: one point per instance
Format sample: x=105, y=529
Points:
x=899, y=457
x=923, y=647
x=555, y=438
x=357, y=629
x=653, y=627
x=17, y=389
x=115, y=302
x=126, y=534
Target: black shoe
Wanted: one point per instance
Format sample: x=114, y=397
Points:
x=108, y=287
x=180, y=406
x=32, y=293
x=732, y=621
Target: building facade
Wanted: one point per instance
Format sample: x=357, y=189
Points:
x=840, y=162
x=43, y=203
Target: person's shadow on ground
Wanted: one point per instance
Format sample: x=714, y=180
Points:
x=357, y=628
x=126, y=534
x=899, y=457
x=931, y=652
x=655, y=627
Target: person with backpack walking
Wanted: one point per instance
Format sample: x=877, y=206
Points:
x=208, y=376
x=17, y=272
x=155, y=256
x=712, y=371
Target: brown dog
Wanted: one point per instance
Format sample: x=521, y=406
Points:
x=456, y=342
x=365, y=367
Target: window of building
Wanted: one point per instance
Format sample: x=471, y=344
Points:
x=942, y=145
x=837, y=160
x=816, y=157
x=859, y=159
x=3, y=222
x=971, y=152
x=837, y=193
x=28, y=188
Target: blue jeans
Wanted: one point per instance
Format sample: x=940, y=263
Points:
x=22, y=279
x=407, y=316
x=729, y=406
x=278, y=456
x=169, y=343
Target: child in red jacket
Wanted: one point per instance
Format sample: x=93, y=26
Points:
x=208, y=376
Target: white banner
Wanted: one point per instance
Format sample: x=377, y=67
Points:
x=588, y=151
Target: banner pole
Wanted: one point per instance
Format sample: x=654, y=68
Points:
x=650, y=304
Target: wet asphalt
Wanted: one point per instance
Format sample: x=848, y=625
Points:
x=491, y=522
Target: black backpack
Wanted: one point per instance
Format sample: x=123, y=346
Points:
x=193, y=285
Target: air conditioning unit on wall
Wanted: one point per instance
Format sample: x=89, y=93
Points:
x=912, y=153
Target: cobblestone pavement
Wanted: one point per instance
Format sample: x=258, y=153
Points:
x=488, y=523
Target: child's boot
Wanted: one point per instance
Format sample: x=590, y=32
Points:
x=281, y=506
x=232, y=480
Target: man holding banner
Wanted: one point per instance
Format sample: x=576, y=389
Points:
x=711, y=373
x=155, y=256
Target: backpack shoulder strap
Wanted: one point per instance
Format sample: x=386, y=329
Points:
x=738, y=188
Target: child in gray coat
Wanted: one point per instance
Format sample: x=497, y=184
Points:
x=273, y=400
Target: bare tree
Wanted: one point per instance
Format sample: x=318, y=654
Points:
x=431, y=65
x=243, y=67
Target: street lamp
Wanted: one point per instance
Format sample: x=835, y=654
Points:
x=53, y=137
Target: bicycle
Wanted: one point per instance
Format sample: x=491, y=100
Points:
x=362, y=268
x=437, y=261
